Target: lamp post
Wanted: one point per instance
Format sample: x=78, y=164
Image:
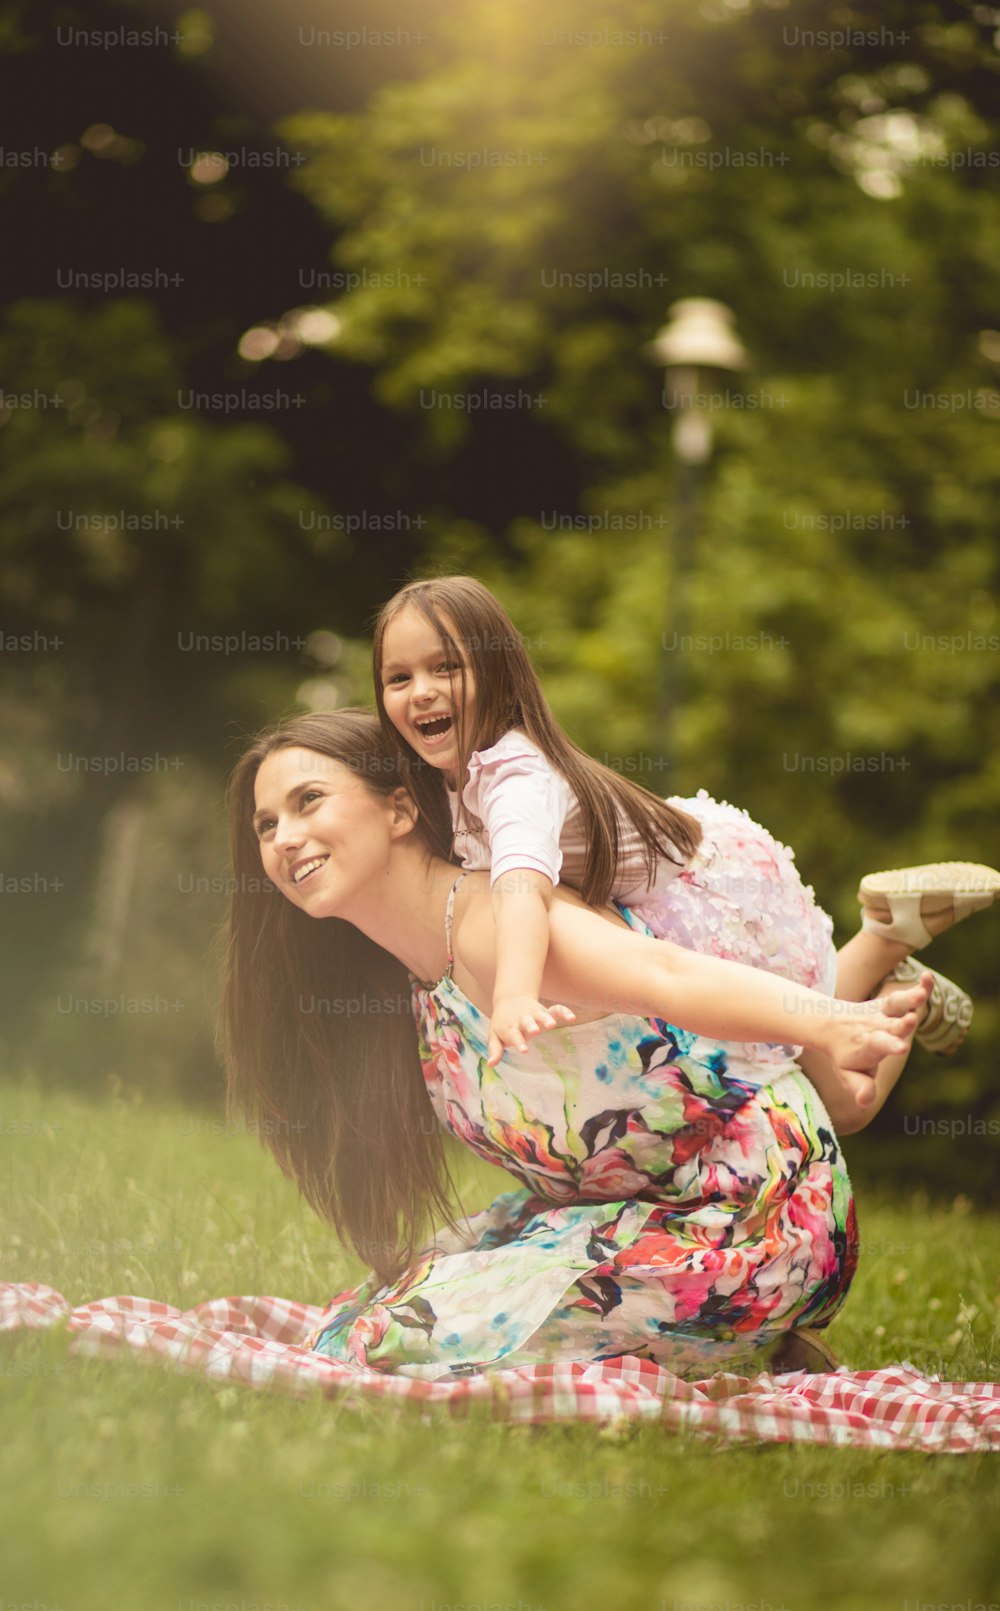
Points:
x=700, y=334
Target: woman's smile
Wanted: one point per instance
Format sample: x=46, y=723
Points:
x=300, y=872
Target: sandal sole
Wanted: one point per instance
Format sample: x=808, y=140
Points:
x=937, y=885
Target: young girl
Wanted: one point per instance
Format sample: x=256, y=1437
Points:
x=502, y=785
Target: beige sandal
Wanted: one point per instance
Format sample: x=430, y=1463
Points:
x=802, y=1348
x=914, y=904
x=946, y=1021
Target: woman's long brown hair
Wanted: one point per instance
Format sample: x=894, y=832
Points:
x=508, y=694
x=317, y=1032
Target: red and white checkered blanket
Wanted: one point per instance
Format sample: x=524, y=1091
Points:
x=258, y=1341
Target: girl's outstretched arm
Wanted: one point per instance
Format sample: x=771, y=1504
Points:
x=596, y=963
x=520, y=902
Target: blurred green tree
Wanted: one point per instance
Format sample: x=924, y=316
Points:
x=149, y=563
x=551, y=191
x=517, y=215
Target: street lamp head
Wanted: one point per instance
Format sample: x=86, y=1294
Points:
x=700, y=332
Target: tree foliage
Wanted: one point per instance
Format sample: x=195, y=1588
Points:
x=515, y=210
x=840, y=600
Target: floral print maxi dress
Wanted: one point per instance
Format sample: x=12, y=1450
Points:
x=668, y=1208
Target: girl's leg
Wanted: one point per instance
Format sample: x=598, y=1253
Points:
x=864, y=962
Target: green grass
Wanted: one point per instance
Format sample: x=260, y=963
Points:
x=125, y=1486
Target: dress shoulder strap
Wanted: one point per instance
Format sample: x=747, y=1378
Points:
x=449, y=913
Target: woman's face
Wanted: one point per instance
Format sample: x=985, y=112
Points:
x=323, y=834
x=422, y=688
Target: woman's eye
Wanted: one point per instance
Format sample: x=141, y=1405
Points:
x=265, y=827
x=310, y=794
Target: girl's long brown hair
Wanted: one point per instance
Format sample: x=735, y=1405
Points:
x=317, y=1032
x=508, y=694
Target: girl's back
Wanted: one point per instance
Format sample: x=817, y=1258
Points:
x=516, y=809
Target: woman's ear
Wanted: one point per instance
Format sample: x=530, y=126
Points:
x=404, y=813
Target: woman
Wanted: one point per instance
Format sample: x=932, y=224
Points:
x=672, y=1206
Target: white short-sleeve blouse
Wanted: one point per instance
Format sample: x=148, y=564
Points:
x=531, y=819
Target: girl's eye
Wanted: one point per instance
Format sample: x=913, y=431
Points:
x=397, y=676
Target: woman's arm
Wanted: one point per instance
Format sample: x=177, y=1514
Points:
x=599, y=964
x=593, y=961
x=614, y=969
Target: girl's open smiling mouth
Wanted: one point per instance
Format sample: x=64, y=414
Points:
x=433, y=727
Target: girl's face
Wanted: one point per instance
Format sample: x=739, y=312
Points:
x=422, y=688
x=323, y=834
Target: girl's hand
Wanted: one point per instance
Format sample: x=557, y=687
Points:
x=862, y=1033
x=517, y=1017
